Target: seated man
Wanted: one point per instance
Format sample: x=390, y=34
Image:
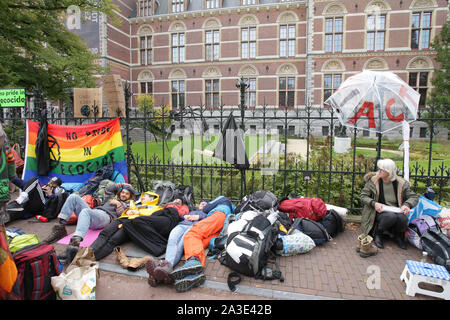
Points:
x=88, y=218
x=383, y=189
x=197, y=240
x=159, y=270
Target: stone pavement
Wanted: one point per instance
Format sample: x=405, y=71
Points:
x=329, y=271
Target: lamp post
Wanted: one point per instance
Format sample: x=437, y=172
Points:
x=243, y=86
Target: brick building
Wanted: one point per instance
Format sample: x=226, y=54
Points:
x=291, y=53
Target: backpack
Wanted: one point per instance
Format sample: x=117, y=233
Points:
x=165, y=190
x=311, y=208
x=437, y=245
x=53, y=206
x=333, y=223
x=91, y=201
x=101, y=192
x=21, y=241
x=417, y=227
x=313, y=229
x=186, y=194
x=36, y=265
x=260, y=201
x=247, y=252
x=295, y=243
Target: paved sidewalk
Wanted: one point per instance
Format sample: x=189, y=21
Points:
x=330, y=271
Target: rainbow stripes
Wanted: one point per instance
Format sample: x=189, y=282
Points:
x=77, y=151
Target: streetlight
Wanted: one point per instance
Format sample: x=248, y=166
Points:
x=243, y=86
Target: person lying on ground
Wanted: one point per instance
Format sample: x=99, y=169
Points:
x=383, y=189
x=197, y=239
x=159, y=270
x=96, y=218
x=147, y=205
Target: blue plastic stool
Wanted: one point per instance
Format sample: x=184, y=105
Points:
x=416, y=272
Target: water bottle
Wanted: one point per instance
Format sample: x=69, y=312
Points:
x=424, y=257
x=41, y=218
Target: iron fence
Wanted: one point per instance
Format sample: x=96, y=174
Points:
x=171, y=146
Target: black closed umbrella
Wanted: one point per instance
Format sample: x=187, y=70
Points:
x=42, y=148
x=231, y=148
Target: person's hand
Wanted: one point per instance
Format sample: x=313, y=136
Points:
x=114, y=202
x=379, y=207
x=132, y=212
x=47, y=190
x=405, y=209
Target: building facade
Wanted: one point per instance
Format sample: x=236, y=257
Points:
x=292, y=54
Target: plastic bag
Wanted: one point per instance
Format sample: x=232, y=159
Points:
x=23, y=240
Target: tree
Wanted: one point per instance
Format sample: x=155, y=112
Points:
x=440, y=96
x=36, y=48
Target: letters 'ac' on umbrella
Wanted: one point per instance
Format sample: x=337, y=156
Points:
x=42, y=148
x=231, y=147
x=375, y=101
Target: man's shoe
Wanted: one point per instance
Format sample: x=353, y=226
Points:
x=367, y=247
x=58, y=232
x=162, y=272
x=378, y=241
x=189, y=282
x=150, y=266
x=192, y=266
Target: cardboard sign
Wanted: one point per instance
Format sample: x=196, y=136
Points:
x=84, y=100
x=12, y=98
x=114, y=95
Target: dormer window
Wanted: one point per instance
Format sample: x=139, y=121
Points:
x=177, y=6
x=212, y=4
x=145, y=8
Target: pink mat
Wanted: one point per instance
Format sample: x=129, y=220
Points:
x=90, y=237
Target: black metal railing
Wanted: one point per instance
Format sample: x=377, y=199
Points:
x=151, y=137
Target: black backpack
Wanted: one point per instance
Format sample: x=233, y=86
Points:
x=53, y=206
x=313, y=229
x=437, y=245
x=165, y=190
x=36, y=265
x=333, y=223
x=186, y=194
x=258, y=201
x=248, y=251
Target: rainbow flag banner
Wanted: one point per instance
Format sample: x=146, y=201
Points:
x=77, y=151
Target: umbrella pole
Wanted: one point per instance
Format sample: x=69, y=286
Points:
x=378, y=150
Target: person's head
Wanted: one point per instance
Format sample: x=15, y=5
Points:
x=177, y=201
x=202, y=205
x=148, y=197
x=126, y=193
x=387, y=169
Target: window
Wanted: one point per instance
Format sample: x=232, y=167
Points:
x=280, y=130
x=366, y=133
x=419, y=82
x=212, y=41
x=248, y=42
x=145, y=8
x=421, y=30
x=286, y=92
x=423, y=132
x=211, y=4
x=287, y=40
x=247, y=2
x=331, y=83
x=178, y=92
x=147, y=87
x=146, y=50
x=250, y=93
x=177, y=5
x=376, y=29
x=291, y=131
x=212, y=93
x=325, y=131
x=333, y=34
x=177, y=47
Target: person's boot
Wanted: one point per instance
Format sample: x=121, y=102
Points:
x=150, y=266
x=377, y=239
x=121, y=257
x=400, y=241
x=58, y=232
x=358, y=242
x=367, y=247
x=162, y=272
x=192, y=266
x=72, y=248
x=137, y=263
